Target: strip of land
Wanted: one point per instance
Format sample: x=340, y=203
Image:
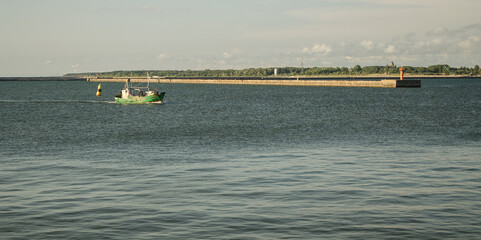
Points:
x=340, y=77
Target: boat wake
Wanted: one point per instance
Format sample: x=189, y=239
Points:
x=54, y=101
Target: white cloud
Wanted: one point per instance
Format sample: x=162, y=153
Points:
x=437, y=31
x=436, y=41
x=456, y=47
x=390, y=49
x=322, y=49
x=233, y=52
x=162, y=56
x=367, y=44
x=470, y=44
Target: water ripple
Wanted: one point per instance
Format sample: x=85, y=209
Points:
x=241, y=162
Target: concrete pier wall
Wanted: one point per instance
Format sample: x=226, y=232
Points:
x=384, y=83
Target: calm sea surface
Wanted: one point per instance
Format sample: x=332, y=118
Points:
x=241, y=162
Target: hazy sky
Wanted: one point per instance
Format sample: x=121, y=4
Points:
x=47, y=37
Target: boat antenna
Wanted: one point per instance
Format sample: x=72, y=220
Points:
x=148, y=80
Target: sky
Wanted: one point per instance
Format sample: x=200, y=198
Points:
x=56, y=37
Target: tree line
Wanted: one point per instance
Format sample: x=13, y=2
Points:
x=292, y=71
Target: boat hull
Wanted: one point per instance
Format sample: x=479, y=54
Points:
x=154, y=98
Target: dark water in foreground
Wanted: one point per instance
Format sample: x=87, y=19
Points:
x=241, y=162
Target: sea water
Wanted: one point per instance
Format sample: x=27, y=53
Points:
x=241, y=162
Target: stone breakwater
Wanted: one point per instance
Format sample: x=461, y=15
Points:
x=382, y=83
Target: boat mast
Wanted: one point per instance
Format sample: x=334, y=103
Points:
x=148, y=80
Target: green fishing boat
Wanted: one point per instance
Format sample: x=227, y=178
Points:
x=131, y=94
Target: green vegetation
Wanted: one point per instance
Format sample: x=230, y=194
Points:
x=293, y=71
